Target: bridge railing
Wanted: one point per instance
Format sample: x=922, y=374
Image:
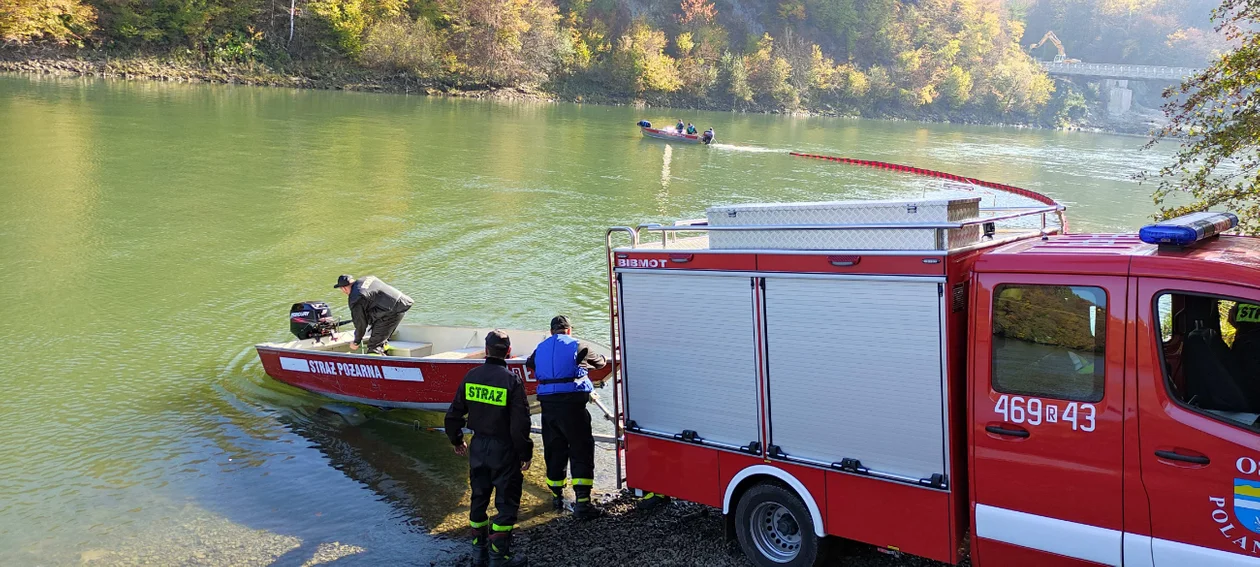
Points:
x=1115, y=71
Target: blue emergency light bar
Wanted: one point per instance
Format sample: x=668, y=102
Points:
x=1188, y=229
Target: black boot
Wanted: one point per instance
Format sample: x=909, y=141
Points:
x=651, y=501
x=501, y=552
x=586, y=511
x=557, y=498
x=582, y=507
x=481, y=546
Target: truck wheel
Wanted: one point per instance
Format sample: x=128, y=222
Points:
x=774, y=528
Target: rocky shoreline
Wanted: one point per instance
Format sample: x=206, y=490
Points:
x=341, y=76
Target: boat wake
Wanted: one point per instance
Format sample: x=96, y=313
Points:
x=750, y=149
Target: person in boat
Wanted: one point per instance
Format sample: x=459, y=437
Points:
x=375, y=304
x=691, y=129
x=680, y=127
x=707, y=137
x=493, y=399
x=560, y=364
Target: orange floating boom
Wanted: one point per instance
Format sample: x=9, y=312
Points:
x=933, y=173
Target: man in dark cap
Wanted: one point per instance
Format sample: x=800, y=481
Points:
x=560, y=363
x=493, y=398
x=376, y=304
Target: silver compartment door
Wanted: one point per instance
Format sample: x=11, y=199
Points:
x=689, y=355
x=855, y=371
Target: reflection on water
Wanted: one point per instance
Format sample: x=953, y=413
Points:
x=152, y=232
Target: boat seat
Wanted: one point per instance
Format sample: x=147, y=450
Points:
x=409, y=348
x=458, y=354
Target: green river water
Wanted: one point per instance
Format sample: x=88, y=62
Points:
x=151, y=233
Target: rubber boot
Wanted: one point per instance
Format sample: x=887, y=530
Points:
x=501, y=552
x=652, y=501
x=582, y=507
x=481, y=546
x=557, y=498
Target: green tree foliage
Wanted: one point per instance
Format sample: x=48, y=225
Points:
x=60, y=21
x=640, y=63
x=956, y=87
x=402, y=44
x=506, y=41
x=697, y=74
x=1214, y=117
x=736, y=78
x=768, y=74
x=876, y=56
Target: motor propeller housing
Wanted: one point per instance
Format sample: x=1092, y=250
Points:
x=312, y=319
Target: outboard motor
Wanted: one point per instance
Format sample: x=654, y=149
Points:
x=311, y=320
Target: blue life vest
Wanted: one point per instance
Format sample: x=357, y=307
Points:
x=556, y=367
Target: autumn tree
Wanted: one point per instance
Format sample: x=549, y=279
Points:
x=639, y=60
x=697, y=12
x=505, y=42
x=402, y=44
x=1214, y=117
x=60, y=21
x=735, y=74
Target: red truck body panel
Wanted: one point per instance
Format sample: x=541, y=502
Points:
x=1064, y=481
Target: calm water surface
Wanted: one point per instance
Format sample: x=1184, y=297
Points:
x=151, y=233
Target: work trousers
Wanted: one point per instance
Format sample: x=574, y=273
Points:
x=566, y=433
x=493, y=465
x=382, y=328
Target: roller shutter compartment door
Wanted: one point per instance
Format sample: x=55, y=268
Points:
x=689, y=355
x=855, y=371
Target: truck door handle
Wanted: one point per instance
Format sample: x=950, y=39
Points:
x=1000, y=430
x=1175, y=456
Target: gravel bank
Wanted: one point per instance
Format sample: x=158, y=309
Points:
x=681, y=534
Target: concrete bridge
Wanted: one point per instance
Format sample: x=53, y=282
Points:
x=1121, y=72
x=1116, y=77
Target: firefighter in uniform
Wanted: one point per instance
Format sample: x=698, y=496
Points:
x=560, y=363
x=493, y=398
x=376, y=304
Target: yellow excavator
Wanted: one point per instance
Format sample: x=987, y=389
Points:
x=1061, y=57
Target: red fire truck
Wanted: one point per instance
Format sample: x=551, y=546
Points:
x=946, y=381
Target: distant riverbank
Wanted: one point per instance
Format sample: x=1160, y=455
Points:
x=334, y=75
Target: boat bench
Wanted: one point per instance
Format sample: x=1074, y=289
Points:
x=409, y=349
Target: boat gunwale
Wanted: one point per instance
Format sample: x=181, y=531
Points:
x=663, y=134
x=279, y=348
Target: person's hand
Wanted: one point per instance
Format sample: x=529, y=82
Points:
x=354, y=346
x=461, y=449
x=525, y=466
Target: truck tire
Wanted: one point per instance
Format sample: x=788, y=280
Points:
x=775, y=529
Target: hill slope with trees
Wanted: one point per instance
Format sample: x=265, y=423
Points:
x=942, y=59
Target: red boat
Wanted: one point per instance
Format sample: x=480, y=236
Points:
x=672, y=135
x=422, y=371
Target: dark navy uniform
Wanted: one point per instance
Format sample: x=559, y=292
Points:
x=560, y=363
x=493, y=398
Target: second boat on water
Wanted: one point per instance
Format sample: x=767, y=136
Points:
x=672, y=134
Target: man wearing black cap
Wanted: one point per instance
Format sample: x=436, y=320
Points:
x=560, y=363
x=493, y=398
x=376, y=304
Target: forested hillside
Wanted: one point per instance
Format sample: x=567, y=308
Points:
x=874, y=57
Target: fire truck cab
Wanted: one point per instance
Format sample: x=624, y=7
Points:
x=945, y=381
